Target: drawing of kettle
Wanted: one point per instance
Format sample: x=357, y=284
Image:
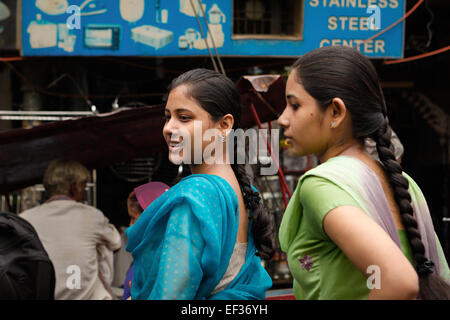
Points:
x=132, y=10
x=215, y=15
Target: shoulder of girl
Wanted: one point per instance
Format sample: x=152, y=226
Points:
x=197, y=186
x=412, y=183
x=410, y=180
x=413, y=186
x=195, y=181
x=310, y=185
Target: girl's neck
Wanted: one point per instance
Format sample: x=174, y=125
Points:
x=352, y=148
x=215, y=169
x=214, y=166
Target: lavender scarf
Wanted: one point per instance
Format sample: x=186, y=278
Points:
x=365, y=187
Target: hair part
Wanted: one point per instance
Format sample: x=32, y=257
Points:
x=343, y=72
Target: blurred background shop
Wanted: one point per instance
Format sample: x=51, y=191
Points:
x=87, y=79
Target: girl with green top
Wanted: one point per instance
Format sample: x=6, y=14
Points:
x=355, y=228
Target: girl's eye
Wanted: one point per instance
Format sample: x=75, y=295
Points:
x=166, y=118
x=184, y=118
x=295, y=106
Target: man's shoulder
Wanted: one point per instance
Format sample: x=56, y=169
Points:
x=32, y=211
x=58, y=205
x=89, y=209
x=29, y=212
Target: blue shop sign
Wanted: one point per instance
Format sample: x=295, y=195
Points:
x=193, y=27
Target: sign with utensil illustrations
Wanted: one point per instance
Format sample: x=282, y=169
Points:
x=201, y=27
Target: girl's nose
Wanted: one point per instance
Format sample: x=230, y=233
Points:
x=283, y=120
x=168, y=127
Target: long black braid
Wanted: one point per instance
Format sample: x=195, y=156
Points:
x=263, y=221
x=437, y=289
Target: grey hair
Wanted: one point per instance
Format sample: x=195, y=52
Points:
x=61, y=174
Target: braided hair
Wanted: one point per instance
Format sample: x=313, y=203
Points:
x=218, y=96
x=263, y=222
x=431, y=286
x=343, y=72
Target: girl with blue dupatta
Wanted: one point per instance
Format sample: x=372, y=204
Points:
x=204, y=237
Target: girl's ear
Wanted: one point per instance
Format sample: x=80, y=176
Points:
x=338, y=112
x=226, y=123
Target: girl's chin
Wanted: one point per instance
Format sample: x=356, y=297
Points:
x=298, y=152
x=176, y=159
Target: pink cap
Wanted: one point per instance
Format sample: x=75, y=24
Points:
x=147, y=193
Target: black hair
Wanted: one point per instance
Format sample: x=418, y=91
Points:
x=343, y=72
x=218, y=96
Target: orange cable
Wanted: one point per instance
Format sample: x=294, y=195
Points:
x=396, y=22
x=9, y=59
x=420, y=56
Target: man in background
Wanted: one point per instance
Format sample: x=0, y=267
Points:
x=78, y=238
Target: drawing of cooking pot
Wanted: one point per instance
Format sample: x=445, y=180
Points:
x=183, y=42
x=215, y=15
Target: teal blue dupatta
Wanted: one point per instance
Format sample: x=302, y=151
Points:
x=182, y=244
